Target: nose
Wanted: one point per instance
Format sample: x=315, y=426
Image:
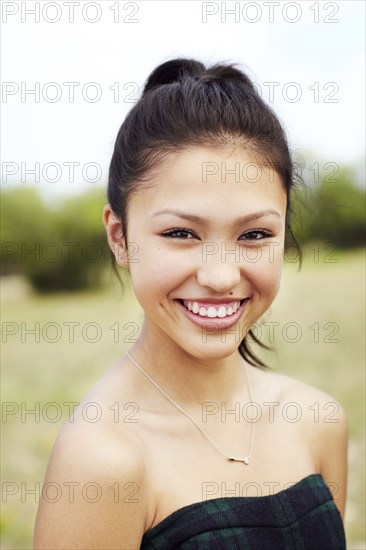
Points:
x=218, y=273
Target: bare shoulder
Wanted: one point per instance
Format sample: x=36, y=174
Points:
x=94, y=494
x=319, y=412
x=312, y=402
x=322, y=422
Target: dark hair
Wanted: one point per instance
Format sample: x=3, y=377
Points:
x=183, y=104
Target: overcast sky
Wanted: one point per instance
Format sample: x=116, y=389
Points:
x=306, y=57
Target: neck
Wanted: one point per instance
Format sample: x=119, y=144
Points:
x=188, y=379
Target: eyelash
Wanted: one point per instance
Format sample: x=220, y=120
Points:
x=170, y=234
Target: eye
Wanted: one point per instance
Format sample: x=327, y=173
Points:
x=179, y=233
x=256, y=235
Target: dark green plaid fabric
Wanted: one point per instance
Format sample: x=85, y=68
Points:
x=302, y=517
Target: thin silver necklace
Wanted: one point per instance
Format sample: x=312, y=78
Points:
x=244, y=459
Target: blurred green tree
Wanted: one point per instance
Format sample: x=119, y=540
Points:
x=331, y=211
x=62, y=248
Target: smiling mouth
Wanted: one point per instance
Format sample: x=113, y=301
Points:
x=219, y=311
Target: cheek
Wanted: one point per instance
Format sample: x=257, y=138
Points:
x=264, y=269
x=156, y=273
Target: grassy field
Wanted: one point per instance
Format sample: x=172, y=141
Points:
x=319, y=338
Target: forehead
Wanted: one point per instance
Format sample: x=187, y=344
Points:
x=211, y=178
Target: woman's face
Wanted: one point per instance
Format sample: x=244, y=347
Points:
x=206, y=248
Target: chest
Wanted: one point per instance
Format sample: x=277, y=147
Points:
x=184, y=467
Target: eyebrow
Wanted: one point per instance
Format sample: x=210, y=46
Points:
x=201, y=221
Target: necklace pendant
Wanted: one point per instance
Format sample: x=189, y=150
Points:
x=244, y=459
x=238, y=459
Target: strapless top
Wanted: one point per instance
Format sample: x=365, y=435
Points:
x=301, y=517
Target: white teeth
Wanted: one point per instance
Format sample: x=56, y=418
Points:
x=221, y=312
x=212, y=311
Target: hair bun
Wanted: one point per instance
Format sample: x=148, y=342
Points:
x=178, y=69
x=173, y=71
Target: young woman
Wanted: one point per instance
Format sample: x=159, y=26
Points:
x=219, y=451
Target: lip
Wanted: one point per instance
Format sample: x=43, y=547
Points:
x=221, y=323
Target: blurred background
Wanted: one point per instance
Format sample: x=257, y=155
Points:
x=70, y=73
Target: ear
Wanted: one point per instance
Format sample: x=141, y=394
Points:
x=115, y=236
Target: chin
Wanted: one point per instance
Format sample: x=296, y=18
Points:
x=211, y=351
